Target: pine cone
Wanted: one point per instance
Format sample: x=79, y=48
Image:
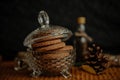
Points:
x=95, y=61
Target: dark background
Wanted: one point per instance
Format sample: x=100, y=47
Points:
x=19, y=17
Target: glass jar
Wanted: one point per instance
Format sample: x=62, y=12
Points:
x=47, y=52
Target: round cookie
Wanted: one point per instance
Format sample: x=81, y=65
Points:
x=54, y=62
x=66, y=48
x=45, y=32
x=51, y=47
x=55, y=55
x=46, y=43
x=39, y=34
x=50, y=37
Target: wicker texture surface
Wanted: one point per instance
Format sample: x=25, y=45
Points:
x=7, y=73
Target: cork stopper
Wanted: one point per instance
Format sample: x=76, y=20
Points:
x=81, y=20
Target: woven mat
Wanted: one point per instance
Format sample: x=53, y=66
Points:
x=7, y=73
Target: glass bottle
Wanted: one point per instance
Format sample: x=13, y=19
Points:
x=81, y=38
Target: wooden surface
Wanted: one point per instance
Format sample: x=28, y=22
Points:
x=7, y=73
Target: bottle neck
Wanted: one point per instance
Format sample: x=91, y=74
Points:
x=81, y=27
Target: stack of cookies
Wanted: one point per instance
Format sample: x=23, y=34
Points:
x=51, y=52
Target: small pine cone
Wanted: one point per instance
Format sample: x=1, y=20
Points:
x=95, y=60
x=113, y=59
